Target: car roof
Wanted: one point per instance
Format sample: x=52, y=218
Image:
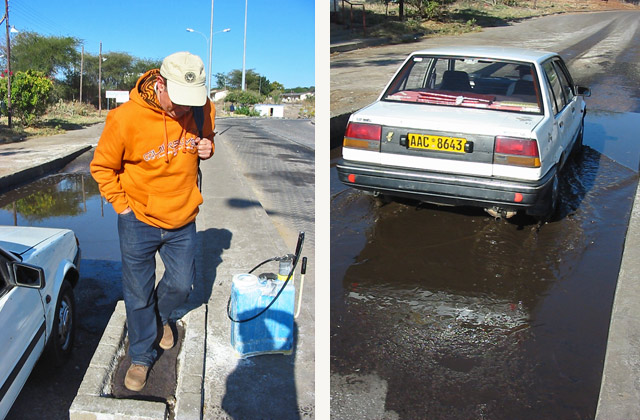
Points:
x=502, y=53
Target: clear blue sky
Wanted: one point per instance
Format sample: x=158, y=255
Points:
x=280, y=34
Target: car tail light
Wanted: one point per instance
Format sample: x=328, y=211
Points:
x=516, y=151
x=363, y=136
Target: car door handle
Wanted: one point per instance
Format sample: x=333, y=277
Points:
x=561, y=124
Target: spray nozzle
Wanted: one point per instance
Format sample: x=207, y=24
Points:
x=285, y=267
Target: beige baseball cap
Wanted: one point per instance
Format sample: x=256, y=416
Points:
x=185, y=79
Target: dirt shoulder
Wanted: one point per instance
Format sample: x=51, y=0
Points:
x=358, y=76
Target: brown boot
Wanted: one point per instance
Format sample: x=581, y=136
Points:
x=136, y=377
x=167, y=341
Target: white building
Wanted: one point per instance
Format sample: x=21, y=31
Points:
x=219, y=95
x=295, y=97
x=270, y=110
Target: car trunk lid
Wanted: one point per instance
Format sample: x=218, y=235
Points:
x=445, y=138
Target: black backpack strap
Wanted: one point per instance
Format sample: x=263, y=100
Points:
x=198, y=117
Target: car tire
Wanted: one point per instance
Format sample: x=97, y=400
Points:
x=63, y=329
x=551, y=199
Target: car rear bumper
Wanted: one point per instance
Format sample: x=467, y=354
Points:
x=449, y=189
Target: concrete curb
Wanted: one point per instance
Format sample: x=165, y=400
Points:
x=38, y=170
x=191, y=359
x=620, y=386
x=357, y=44
x=93, y=402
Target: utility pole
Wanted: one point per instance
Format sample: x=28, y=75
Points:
x=210, y=52
x=81, y=70
x=244, y=51
x=6, y=17
x=100, y=82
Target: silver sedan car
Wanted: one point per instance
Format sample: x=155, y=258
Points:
x=480, y=126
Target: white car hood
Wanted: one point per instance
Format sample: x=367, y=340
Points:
x=448, y=119
x=19, y=239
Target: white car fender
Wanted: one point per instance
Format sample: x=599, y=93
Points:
x=52, y=289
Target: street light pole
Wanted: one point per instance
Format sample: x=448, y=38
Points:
x=81, y=70
x=210, y=51
x=244, y=51
x=100, y=82
x=210, y=45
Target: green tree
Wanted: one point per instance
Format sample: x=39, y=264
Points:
x=138, y=67
x=428, y=9
x=120, y=71
x=253, y=80
x=277, y=86
x=246, y=97
x=50, y=55
x=30, y=94
x=222, y=80
x=276, y=95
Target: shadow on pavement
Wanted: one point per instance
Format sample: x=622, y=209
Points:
x=263, y=386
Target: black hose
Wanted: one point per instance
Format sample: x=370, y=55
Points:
x=296, y=257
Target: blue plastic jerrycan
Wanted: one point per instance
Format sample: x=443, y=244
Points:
x=269, y=333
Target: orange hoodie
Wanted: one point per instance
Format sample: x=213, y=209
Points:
x=148, y=161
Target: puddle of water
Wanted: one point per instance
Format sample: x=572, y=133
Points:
x=613, y=134
x=448, y=302
x=66, y=200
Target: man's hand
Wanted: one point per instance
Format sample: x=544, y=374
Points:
x=205, y=148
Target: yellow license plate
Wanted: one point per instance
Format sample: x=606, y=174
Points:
x=444, y=144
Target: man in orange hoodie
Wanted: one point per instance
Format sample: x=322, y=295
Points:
x=146, y=165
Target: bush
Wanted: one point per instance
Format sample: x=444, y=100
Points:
x=62, y=109
x=244, y=97
x=308, y=109
x=428, y=9
x=245, y=110
x=30, y=92
x=276, y=96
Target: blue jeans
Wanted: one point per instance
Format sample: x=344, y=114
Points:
x=144, y=302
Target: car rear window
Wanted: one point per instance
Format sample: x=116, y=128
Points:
x=467, y=82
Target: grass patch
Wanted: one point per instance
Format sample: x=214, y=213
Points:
x=59, y=118
x=462, y=16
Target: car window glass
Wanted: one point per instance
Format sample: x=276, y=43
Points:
x=556, y=87
x=567, y=87
x=554, y=106
x=438, y=70
x=467, y=82
x=417, y=77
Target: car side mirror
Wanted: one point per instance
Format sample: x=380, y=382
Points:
x=583, y=90
x=27, y=275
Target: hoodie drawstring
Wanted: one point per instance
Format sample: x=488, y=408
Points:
x=166, y=138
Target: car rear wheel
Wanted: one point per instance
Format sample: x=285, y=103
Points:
x=64, y=326
x=551, y=199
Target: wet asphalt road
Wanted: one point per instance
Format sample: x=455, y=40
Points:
x=445, y=313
